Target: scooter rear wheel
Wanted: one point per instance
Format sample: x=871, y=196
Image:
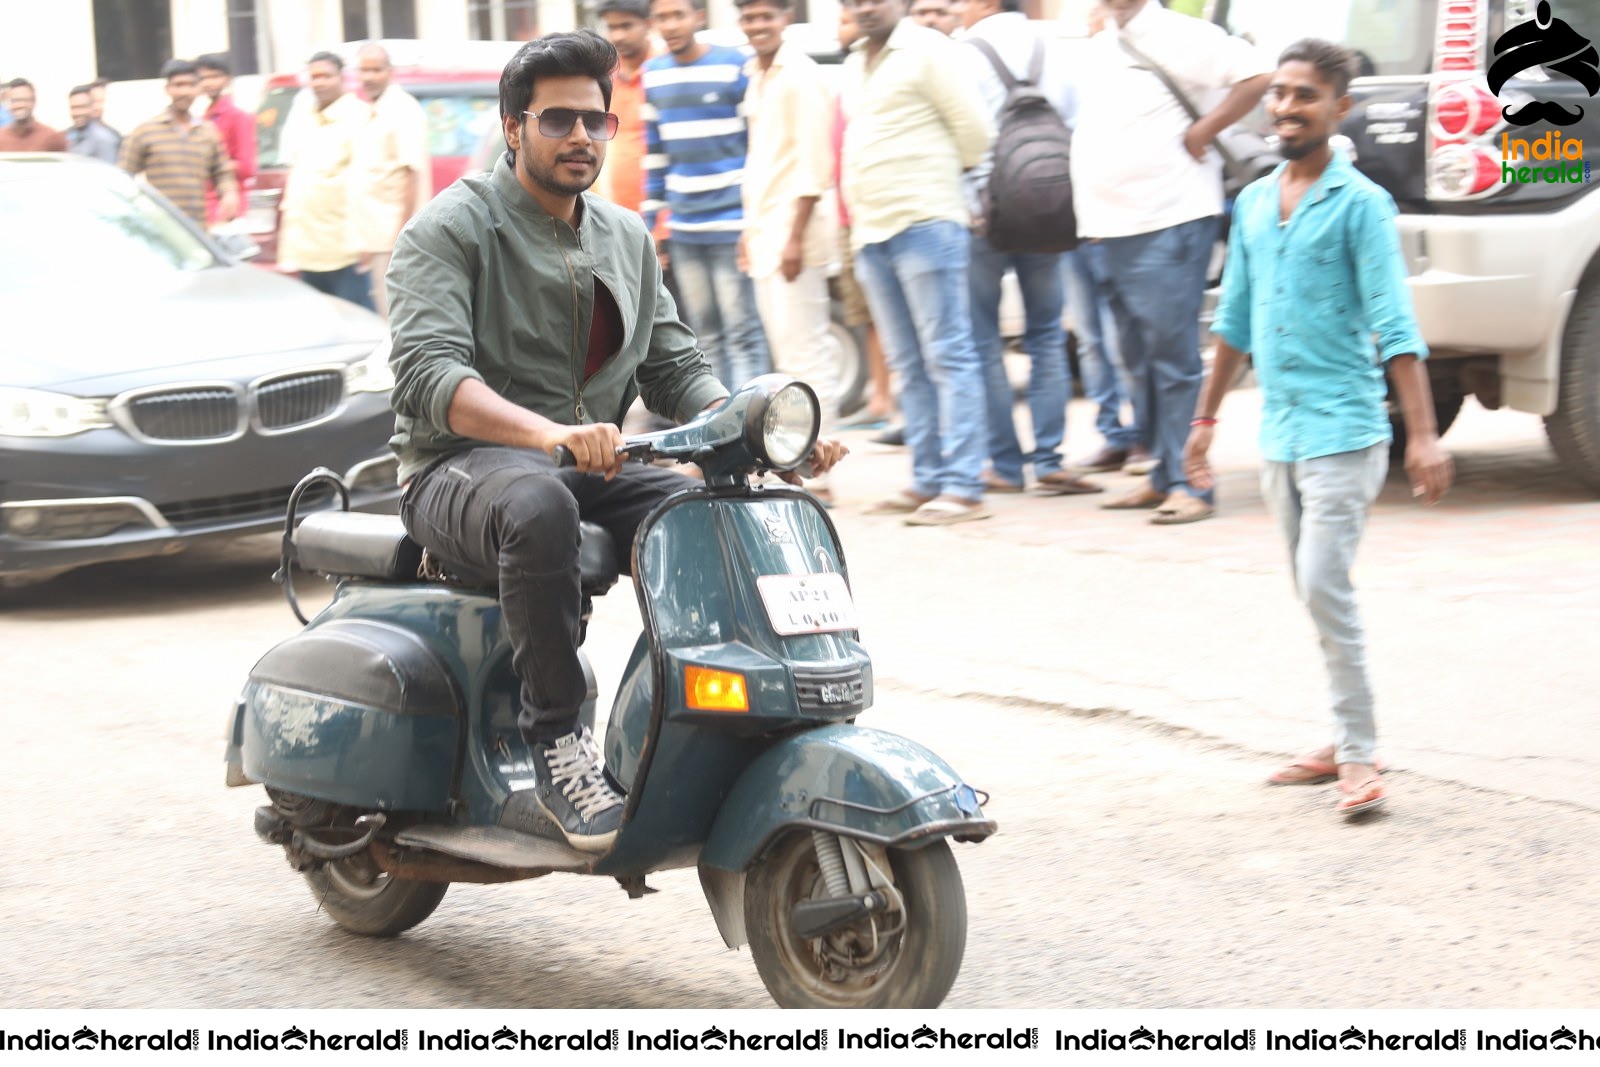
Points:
x=911, y=963
x=364, y=900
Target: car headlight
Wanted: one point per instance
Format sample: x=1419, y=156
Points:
x=35, y=413
x=373, y=374
x=789, y=426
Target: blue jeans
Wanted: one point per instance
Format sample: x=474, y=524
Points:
x=719, y=304
x=1039, y=278
x=1099, y=360
x=1321, y=505
x=1157, y=281
x=916, y=285
x=346, y=283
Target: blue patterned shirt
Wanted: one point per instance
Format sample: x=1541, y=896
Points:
x=695, y=144
x=1306, y=299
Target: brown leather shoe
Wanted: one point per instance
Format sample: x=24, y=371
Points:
x=1107, y=459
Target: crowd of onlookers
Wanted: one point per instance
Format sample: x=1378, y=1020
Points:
x=762, y=178
x=359, y=164
x=758, y=173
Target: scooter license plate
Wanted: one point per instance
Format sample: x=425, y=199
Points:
x=807, y=603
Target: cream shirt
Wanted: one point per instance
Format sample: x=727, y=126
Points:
x=393, y=170
x=317, y=234
x=915, y=122
x=790, y=112
x=1130, y=171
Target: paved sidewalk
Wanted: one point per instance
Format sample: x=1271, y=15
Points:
x=1483, y=613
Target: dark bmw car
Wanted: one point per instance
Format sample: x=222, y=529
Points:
x=154, y=389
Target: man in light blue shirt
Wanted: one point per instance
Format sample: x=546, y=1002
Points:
x=1314, y=273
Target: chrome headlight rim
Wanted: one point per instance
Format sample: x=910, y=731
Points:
x=771, y=403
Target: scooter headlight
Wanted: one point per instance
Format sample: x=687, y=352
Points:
x=789, y=425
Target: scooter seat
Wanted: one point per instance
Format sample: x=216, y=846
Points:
x=355, y=544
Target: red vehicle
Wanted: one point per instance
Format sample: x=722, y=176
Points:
x=457, y=85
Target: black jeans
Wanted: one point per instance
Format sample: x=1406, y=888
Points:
x=509, y=515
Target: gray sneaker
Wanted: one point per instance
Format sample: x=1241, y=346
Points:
x=571, y=787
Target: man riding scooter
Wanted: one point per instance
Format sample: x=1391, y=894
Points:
x=526, y=317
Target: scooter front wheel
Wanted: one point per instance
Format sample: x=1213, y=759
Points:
x=902, y=959
x=364, y=900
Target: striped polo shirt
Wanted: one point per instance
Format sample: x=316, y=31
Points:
x=179, y=160
x=695, y=140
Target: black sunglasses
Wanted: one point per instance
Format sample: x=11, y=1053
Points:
x=558, y=122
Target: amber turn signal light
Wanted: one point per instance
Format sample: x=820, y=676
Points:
x=709, y=690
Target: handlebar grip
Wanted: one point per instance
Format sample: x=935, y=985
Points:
x=564, y=457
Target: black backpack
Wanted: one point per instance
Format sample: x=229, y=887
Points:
x=1027, y=206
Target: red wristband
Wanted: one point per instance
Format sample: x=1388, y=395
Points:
x=1202, y=422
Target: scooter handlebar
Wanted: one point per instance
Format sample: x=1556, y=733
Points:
x=564, y=457
x=640, y=450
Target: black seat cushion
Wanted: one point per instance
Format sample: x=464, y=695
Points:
x=354, y=544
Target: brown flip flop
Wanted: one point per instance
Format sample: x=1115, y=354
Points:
x=1060, y=483
x=1134, y=499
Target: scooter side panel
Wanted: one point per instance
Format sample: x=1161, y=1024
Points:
x=868, y=784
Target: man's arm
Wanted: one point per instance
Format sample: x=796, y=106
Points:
x=959, y=105
x=675, y=378
x=222, y=176
x=131, y=158
x=1380, y=270
x=1243, y=97
x=655, y=162
x=1231, y=327
x=810, y=115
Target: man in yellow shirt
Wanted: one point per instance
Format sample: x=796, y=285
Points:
x=913, y=127
x=393, y=170
x=317, y=237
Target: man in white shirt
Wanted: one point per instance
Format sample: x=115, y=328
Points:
x=1003, y=27
x=392, y=173
x=790, y=226
x=1148, y=186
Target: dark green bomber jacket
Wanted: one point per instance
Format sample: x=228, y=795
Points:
x=485, y=284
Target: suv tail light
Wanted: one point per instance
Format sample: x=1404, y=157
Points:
x=1463, y=115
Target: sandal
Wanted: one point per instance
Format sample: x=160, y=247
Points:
x=1060, y=483
x=902, y=503
x=993, y=483
x=1143, y=497
x=1311, y=770
x=1365, y=796
x=946, y=511
x=1180, y=508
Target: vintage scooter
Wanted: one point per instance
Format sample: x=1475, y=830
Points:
x=385, y=732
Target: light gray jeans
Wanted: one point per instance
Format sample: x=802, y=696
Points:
x=1322, y=504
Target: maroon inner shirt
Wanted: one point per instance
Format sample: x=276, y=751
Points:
x=605, y=331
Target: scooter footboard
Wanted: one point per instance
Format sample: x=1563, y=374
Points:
x=870, y=785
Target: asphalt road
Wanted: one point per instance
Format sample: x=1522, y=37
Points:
x=1120, y=690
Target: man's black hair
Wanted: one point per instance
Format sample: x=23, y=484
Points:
x=698, y=5
x=78, y=90
x=639, y=9
x=326, y=57
x=177, y=68
x=215, y=61
x=781, y=5
x=1334, y=63
x=1010, y=5
x=100, y=83
x=583, y=54
x=21, y=83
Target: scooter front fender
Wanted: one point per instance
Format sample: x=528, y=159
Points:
x=871, y=785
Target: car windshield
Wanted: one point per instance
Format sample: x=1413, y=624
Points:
x=1390, y=37
x=66, y=222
